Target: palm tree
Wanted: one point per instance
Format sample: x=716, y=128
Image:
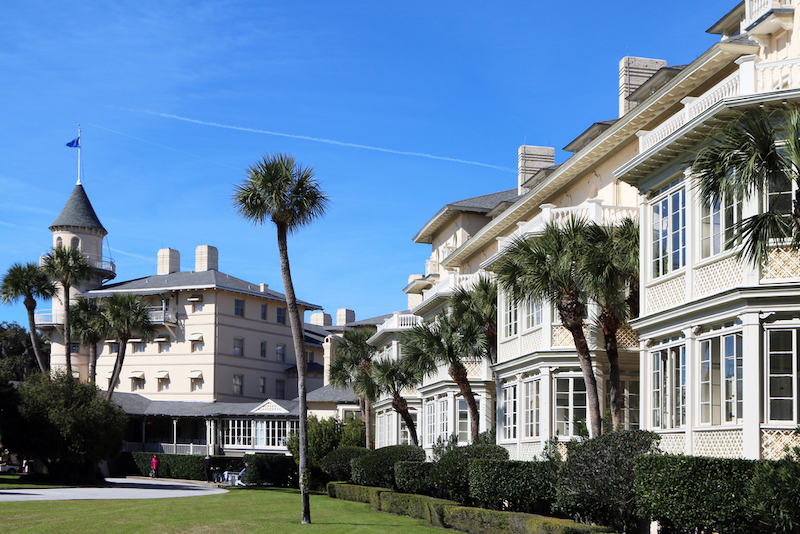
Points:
x=68, y=267
x=278, y=189
x=351, y=367
x=28, y=282
x=89, y=326
x=126, y=314
x=605, y=268
x=545, y=267
x=392, y=376
x=479, y=304
x=447, y=342
x=756, y=153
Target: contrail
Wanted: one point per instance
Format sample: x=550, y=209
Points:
x=328, y=141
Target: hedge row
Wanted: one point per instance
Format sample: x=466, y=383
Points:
x=513, y=485
x=376, y=468
x=184, y=466
x=271, y=470
x=448, y=514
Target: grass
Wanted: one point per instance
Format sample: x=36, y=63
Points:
x=21, y=482
x=240, y=511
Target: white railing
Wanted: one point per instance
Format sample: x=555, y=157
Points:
x=755, y=9
x=48, y=317
x=450, y=284
x=162, y=315
x=400, y=320
x=431, y=267
x=776, y=75
x=594, y=211
x=95, y=261
x=197, y=449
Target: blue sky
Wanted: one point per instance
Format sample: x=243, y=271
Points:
x=401, y=107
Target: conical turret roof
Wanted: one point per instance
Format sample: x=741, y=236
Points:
x=78, y=211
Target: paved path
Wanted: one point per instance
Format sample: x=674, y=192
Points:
x=118, y=488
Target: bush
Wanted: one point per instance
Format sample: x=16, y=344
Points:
x=691, y=492
x=450, y=475
x=270, y=469
x=776, y=493
x=185, y=466
x=413, y=477
x=597, y=481
x=376, y=468
x=513, y=485
x=337, y=463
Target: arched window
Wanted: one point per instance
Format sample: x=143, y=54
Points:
x=59, y=242
x=76, y=243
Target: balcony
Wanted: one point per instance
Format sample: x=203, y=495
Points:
x=766, y=16
x=433, y=297
x=396, y=323
x=592, y=211
x=48, y=318
x=97, y=262
x=162, y=315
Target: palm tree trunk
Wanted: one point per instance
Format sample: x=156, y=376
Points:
x=585, y=359
x=366, y=414
x=37, y=349
x=459, y=375
x=67, y=331
x=123, y=342
x=92, y=362
x=401, y=406
x=610, y=325
x=296, y=323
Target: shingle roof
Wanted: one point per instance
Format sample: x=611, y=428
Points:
x=486, y=202
x=331, y=393
x=78, y=211
x=135, y=404
x=190, y=280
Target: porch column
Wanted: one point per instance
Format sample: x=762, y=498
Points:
x=520, y=427
x=174, y=435
x=751, y=385
x=144, y=426
x=545, y=412
x=692, y=395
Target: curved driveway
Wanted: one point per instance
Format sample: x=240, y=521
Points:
x=117, y=488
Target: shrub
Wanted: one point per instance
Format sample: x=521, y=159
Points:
x=270, y=469
x=413, y=477
x=776, y=493
x=337, y=463
x=596, y=483
x=513, y=485
x=376, y=468
x=184, y=466
x=450, y=475
x=695, y=493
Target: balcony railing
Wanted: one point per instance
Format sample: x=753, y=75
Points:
x=399, y=321
x=163, y=315
x=96, y=261
x=446, y=286
x=751, y=78
x=197, y=449
x=48, y=317
x=755, y=9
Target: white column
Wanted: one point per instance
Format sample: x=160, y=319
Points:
x=175, y=435
x=747, y=74
x=520, y=412
x=545, y=396
x=692, y=232
x=751, y=385
x=692, y=395
x=595, y=210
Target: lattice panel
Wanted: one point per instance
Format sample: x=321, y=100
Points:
x=530, y=451
x=673, y=443
x=474, y=369
x=627, y=337
x=511, y=448
x=532, y=342
x=562, y=337
x=774, y=443
x=782, y=263
x=666, y=295
x=718, y=276
x=718, y=443
x=507, y=351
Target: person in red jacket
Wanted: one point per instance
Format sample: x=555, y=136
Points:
x=154, y=465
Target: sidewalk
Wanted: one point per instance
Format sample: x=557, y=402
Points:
x=118, y=488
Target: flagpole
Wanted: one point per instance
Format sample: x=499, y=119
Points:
x=79, y=154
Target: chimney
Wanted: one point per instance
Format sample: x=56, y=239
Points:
x=263, y=288
x=531, y=160
x=321, y=319
x=206, y=258
x=344, y=316
x=633, y=72
x=169, y=261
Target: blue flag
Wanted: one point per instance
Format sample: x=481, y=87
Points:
x=75, y=143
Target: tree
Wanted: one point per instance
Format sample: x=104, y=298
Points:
x=545, y=267
x=89, y=326
x=16, y=352
x=479, y=304
x=351, y=367
x=68, y=267
x=63, y=422
x=607, y=273
x=392, y=376
x=28, y=282
x=755, y=154
x=447, y=342
x=280, y=190
x=125, y=314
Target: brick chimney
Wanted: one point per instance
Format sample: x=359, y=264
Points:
x=633, y=72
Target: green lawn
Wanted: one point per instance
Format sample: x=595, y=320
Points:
x=273, y=511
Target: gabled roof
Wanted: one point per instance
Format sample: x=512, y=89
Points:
x=135, y=404
x=331, y=393
x=188, y=281
x=590, y=133
x=479, y=204
x=78, y=211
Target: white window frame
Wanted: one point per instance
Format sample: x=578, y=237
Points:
x=668, y=372
x=510, y=411
x=430, y=427
x=237, y=433
x=531, y=406
x=533, y=314
x=778, y=375
x=443, y=413
x=717, y=223
x=568, y=426
x=668, y=235
x=510, y=317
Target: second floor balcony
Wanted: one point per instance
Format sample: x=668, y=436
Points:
x=437, y=295
x=163, y=315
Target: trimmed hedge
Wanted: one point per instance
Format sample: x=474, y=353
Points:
x=692, y=492
x=413, y=477
x=450, y=475
x=376, y=468
x=776, y=493
x=513, y=485
x=337, y=463
x=185, y=466
x=447, y=514
x=270, y=469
